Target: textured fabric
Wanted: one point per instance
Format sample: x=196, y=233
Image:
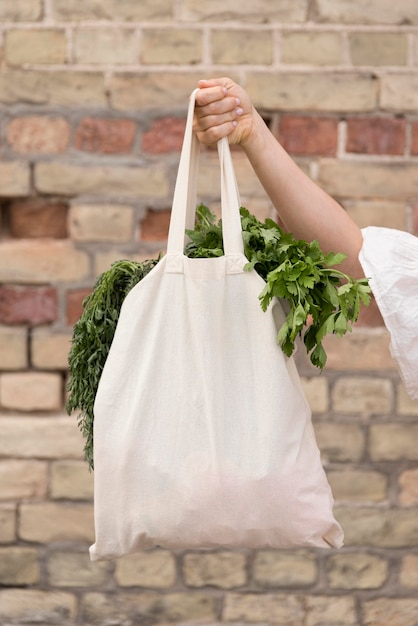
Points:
x=390, y=259
x=202, y=434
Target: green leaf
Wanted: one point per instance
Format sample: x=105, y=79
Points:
x=334, y=259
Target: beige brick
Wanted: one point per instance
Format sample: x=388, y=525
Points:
x=408, y=576
x=46, y=46
x=31, y=391
x=284, y=569
x=13, y=348
x=144, y=607
x=113, y=10
x=385, y=528
x=256, y=11
x=340, y=441
x=71, y=179
x=358, y=486
x=371, y=12
x=73, y=569
x=14, y=177
x=399, y=92
x=52, y=88
x=360, y=179
x=240, y=46
x=313, y=92
x=7, y=523
x=393, y=442
x=20, y=10
x=408, y=482
x=316, y=391
x=222, y=569
x=249, y=607
x=50, y=350
x=324, y=610
x=367, y=396
x=156, y=569
x=405, y=404
x=171, y=46
x=356, y=571
x=19, y=566
x=390, y=612
x=314, y=48
x=360, y=350
x=23, y=479
x=37, y=606
x=105, y=45
x=101, y=222
x=71, y=480
x=49, y=521
x=41, y=262
x=388, y=213
x=40, y=437
x=378, y=48
x=151, y=90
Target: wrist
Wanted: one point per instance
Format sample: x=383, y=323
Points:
x=258, y=135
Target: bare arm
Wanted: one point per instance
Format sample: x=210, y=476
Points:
x=224, y=109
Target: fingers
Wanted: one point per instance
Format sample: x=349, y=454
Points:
x=224, y=82
x=218, y=109
x=214, y=89
x=216, y=119
x=208, y=95
x=213, y=133
x=226, y=108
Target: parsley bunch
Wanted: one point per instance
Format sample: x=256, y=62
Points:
x=320, y=300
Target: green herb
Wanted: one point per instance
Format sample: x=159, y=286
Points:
x=92, y=338
x=320, y=300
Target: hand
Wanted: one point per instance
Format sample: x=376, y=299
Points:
x=223, y=109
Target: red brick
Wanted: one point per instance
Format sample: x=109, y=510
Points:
x=165, y=135
x=414, y=146
x=105, y=136
x=75, y=299
x=38, y=134
x=309, y=135
x=27, y=305
x=154, y=227
x=38, y=217
x=378, y=135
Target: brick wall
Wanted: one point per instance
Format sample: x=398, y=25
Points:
x=92, y=102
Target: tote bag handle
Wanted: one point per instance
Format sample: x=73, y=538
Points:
x=185, y=193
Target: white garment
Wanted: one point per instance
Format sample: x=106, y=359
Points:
x=390, y=259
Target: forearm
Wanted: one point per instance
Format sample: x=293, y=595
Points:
x=305, y=209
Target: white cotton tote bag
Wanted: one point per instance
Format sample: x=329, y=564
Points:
x=202, y=434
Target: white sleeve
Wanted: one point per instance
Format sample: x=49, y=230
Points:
x=389, y=258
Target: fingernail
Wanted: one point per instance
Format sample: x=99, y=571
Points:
x=234, y=123
x=237, y=100
x=225, y=90
x=239, y=111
